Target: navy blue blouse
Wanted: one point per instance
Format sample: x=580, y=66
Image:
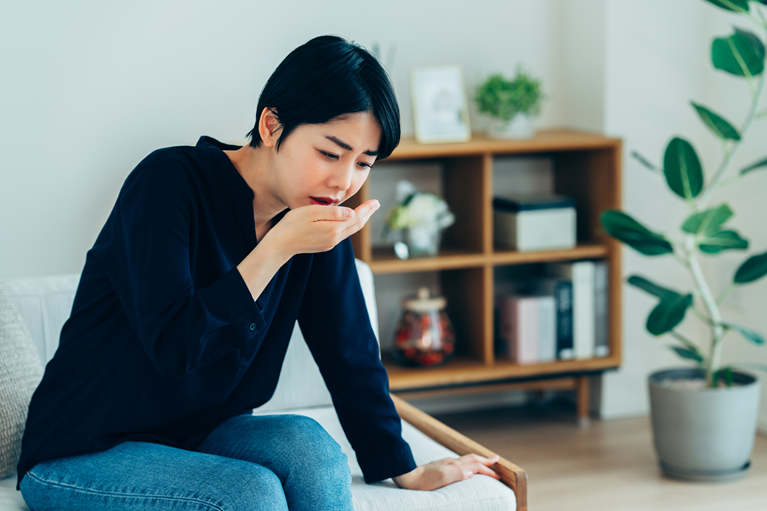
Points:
x=165, y=342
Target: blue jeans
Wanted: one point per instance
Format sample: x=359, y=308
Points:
x=269, y=462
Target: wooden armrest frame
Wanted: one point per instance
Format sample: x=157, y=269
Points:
x=511, y=475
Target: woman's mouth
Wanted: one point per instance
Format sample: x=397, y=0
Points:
x=323, y=201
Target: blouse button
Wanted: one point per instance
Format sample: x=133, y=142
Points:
x=252, y=326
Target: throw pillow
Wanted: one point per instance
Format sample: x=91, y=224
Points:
x=20, y=373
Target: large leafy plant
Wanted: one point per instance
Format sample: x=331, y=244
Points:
x=740, y=54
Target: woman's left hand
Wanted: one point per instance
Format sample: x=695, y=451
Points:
x=446, y=471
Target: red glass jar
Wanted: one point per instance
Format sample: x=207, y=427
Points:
x=425, y=336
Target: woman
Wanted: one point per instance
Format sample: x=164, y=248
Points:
x=186, y=304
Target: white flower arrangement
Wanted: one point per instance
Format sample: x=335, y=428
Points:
x=416, y=208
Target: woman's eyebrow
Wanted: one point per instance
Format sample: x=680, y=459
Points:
x=346, y=146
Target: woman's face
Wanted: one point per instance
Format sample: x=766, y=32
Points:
x=327, y=163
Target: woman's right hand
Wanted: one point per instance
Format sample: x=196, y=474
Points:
x=308, y=229
x=311, y=229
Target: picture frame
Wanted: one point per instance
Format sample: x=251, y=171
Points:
x=440, y=105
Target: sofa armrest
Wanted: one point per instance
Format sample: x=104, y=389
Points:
x=511, y=475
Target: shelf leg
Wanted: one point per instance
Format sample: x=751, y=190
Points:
x=583, y=401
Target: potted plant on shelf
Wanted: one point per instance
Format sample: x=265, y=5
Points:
x=704, y=417
x=512, y=103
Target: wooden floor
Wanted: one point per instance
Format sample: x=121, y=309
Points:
x=607, y=466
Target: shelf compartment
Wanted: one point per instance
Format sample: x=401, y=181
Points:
x=463, y=370
x=384, y=261
x=502, y=256
x=469, y=306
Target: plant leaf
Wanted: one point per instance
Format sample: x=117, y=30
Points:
x=731, y=5
x=681, y=166
x=750, y=335
x=725, y=374
x=723, y=240
x=754, y=40
x=688, y=354
x=741, y=54
x=644, y=161
x=668, y=313
x=754, y=166
x=708, y=221
x=622, y=227
x=650, y=287
x=753, y=269
x=721, y=128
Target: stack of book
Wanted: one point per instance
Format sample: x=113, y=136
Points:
x=564, y=317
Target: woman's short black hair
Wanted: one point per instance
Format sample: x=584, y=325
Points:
x=327, y=78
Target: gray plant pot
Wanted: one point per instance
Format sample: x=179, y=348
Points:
x=706, y=434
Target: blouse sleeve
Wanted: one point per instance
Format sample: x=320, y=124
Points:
x=148, y=264
x=335, y=323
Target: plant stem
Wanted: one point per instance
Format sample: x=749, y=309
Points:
x=763, y=22
x=713, y=311
x=698, y=314
x=725, y=293
x=729, y=181
x=730, y=150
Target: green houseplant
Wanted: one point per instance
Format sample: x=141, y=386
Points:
x=704, y=231
x=511, y=102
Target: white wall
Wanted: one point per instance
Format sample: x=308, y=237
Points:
x=583, y=63
x=89, y=88
x=655, y=60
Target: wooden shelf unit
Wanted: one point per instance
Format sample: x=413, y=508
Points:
x=585, y=166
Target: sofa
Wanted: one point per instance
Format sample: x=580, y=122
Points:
x=44, y=304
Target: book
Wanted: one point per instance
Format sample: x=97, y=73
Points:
x=519, y=324
x=581, y=274
x=560, y=290
x=547, y=329
x=563, y=298
x=601, y=334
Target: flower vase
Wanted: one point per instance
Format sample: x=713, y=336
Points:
x=422, y=240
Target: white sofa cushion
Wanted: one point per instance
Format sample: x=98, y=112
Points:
x=10, y=499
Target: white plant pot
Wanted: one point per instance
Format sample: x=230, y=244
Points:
x=520, y=126
x=703, y=434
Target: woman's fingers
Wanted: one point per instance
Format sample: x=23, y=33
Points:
x=329, y=213
x=446, y=471
x=361, y=215
x=370, y=204
x=482, y=469
x=479, y=464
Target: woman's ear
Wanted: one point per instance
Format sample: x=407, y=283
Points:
x=269, y=127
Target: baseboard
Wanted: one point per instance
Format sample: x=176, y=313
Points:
x=761, y=425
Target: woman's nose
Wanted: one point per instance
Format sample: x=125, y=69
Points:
x=342, y=179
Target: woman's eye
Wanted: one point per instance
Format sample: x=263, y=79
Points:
x=330, y=155
x=365, y=166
